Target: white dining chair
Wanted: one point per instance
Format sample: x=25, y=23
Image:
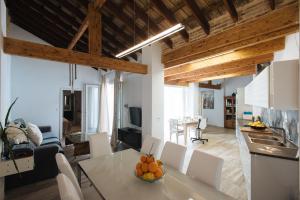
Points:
x=150, y=145
x=65, y=168
x=67, y=190
x=175, y=128
x=206, y=168
x=173, y=155
x=99, y=145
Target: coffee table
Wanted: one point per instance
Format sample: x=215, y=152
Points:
x=80, y=142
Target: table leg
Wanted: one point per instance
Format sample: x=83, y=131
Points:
x=78, y=174
x=185, y=133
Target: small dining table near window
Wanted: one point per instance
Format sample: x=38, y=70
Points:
x=113, y=176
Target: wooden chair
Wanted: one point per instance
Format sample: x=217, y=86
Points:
x=175, y=128
x=206, y=168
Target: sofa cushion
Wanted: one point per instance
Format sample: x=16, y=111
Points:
x=49, y=135
x=50, y=141
x=34, y=134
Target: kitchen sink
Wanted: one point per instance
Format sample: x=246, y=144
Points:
x=267, y=142
x=265, y=137
x=273, y=143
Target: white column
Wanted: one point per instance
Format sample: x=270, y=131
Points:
x=153, y=93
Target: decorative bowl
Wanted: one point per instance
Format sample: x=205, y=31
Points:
x=259, y=127
x=150, y=181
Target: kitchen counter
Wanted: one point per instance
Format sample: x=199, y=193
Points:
x=268, y=150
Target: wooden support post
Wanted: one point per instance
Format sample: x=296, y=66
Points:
x=95, y=33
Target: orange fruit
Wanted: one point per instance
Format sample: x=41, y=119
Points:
x=153, y=167
x=138, y=166
x=150, y=159
x=158, y=173
x=139, y=172
x=143, y=159
x=144, y=167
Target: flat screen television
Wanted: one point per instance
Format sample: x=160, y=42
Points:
x=135, y=116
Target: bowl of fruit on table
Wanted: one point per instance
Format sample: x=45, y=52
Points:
x=257, y=125
x=148, y=169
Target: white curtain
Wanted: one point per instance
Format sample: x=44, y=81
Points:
x=103, y=124
x=117, y=85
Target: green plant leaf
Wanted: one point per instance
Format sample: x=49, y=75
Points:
x=8, y=112
x=12, y=156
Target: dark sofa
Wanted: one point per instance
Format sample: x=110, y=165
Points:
x=44, y=160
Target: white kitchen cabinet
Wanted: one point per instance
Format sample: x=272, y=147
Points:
x=275, y=87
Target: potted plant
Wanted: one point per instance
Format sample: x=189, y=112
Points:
x=3, y=135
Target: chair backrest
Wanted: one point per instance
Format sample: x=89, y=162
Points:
x=174, y=125
x=203, y=123
x=199, y=123
x=149, y=142
x=99, y=145
x=173, y=155
x=206, y=168
x=66, y=188
x=65, y=168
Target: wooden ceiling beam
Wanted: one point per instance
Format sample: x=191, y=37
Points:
x=276, y=24
x=223, y=76
x=89, y=21
x=228, y=65
x=176, y=83
x=249, y=52
x=34, y=50
x=209, y=85
x=201, y=19
x=140, y=13
x=230, y=7
x=219, y=73
x=94, y=29
x=170, y=17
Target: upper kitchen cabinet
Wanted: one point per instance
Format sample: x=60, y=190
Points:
x=277, y=86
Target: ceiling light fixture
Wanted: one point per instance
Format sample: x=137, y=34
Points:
x=151, y=40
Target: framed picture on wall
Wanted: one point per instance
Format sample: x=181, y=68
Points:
x=208, y=99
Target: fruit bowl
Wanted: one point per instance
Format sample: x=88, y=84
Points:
x=148, y=169
x=259, y=127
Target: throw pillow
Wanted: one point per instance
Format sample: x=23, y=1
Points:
x=15, y=135
x=34, y=134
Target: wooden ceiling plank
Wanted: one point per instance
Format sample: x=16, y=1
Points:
x=84, y=25
x=219, y=67
x=276, y=24
x=230, y=7
x=201, y=19
x=170, y=17
x=34, y=50
x=140, y=13
x=249, y=52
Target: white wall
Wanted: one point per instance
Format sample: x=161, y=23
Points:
x=38, y=83
x=231, y=84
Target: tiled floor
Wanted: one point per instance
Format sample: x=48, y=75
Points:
x=222, y=142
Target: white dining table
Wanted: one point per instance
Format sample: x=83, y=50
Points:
x=114, y=179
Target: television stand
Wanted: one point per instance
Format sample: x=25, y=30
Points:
x=131, y=137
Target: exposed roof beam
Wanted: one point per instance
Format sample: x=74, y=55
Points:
x=209, y=85
x=140, y=13
x=169, y=16
x=219, y=67
x=85, y=23
x=229, y=4
x=95, y=30
x=276, y=24
x=34, y=50
x=249, y=52
x=202, y=21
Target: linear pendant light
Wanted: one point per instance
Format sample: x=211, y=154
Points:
x=151, y=40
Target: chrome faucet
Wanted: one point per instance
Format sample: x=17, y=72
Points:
x=284, y=135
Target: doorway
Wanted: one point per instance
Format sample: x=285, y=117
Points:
x=72, y=112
